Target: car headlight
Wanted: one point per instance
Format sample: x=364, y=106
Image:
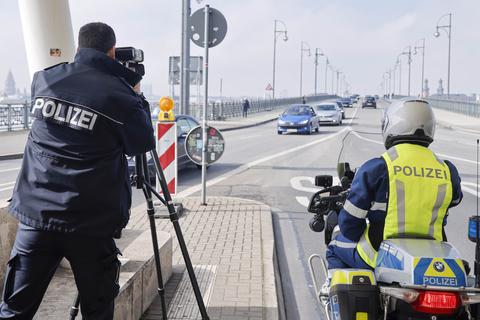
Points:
x=304, y=121
x=281, y=122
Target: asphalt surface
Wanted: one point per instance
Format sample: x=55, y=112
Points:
x=278, y=170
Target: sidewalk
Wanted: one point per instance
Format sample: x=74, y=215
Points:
x=13, y=143
x=231, y=245
x=457, y=121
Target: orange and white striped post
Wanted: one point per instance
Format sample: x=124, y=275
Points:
x=167, y=144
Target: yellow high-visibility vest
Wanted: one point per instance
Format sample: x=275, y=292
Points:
x=420, y=192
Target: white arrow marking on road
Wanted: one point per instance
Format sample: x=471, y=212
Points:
x=296, y=183
x=303, y=201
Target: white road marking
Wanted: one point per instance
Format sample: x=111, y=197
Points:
x=7, y=184
x=11, y=169
x=439, y=154
x=469, y=190
x=189, y=191
x=296, y=183
x=303, y=201
x=5, y=189
x=353, y=117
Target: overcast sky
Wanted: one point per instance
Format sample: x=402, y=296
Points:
x=361, y=38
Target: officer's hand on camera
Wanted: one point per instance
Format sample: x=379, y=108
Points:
x=137, y=88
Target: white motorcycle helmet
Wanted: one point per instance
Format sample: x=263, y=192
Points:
x=408, y=121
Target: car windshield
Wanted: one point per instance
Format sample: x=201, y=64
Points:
x=298, y=110
x=326, y=107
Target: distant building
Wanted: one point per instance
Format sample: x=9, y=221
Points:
x=10, y=89
x=426, y=89
x=440, y=89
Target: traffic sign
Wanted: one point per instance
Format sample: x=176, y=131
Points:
x=194, y=145
x=217, y=29
x=196, y=70
x=269, y=87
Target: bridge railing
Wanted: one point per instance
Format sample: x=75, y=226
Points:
x=469, y=108
x=15, y=115
x=222, y=110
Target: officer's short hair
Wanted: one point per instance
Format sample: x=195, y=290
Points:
x=96, y=35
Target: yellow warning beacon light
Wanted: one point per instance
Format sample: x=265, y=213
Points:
x=166, y=105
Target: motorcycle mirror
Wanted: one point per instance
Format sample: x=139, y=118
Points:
x=323, y=181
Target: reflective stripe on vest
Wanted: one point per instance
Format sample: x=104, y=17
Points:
x=420, y=191
x=366, y=250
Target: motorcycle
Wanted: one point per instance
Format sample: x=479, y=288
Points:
x=413, y=278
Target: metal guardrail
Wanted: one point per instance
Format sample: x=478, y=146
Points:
x=468, y=108
x=16, y=115
x=230, y=109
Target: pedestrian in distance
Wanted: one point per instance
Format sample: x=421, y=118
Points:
x=246, y=106
x=304, y=101
x=73, y=192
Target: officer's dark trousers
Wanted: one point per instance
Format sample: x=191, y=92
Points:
x=34, y=259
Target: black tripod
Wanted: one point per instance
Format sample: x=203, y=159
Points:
x=142, y=180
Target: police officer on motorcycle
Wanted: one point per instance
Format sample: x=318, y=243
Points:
x=404, y=193
x=73, y=192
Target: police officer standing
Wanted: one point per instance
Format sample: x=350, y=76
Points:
x=73, y=192
x=404, y=193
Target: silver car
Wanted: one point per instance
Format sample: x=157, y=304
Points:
x=329, y=112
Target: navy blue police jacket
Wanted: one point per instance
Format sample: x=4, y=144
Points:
x=74, y=176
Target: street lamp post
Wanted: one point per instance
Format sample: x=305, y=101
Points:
x=394, y=76
x=285, y=38
x=338, y=75
x=385, y=80
x=399, y=63
x=448, y=30
x=326, y=73
x=185, y=60
x=317, y=54
x=423, y=61
x=333, y=78
x=409, y=55
x=309, y=53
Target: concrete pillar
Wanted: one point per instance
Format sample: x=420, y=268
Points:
x=48, y=33
x=8, y=230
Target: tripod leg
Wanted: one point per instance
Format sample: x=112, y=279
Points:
x=75, y=307
x=141, y=160
x=178, y=232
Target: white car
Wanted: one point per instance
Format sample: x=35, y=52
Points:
x=329, y=112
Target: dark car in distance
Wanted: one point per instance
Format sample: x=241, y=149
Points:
x=346, y=102
x=369, y=102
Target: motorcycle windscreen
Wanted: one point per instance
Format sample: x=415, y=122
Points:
x=358, y=147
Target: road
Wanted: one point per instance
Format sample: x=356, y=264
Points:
x=276, y=169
